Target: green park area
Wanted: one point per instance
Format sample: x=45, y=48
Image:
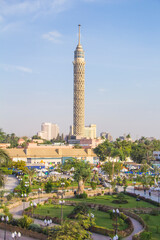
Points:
x=108, y=201
x=153, y=223
x=102, y=219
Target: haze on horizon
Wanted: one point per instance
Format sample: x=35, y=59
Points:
x=121, y=39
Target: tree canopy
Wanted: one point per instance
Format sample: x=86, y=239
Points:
x=5, y=160
x=71, y=230
x=82, y=171
x=139, y=150
x=9, y=138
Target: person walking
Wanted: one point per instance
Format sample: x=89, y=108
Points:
x=149, y=192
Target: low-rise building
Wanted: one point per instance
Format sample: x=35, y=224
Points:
x=51, y=156
x=5, y=145
x=156, y=155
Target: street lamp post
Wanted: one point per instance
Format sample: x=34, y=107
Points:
x=134, y=187
x=24, y=199
x=26, y=184
x=31, y=209
x=62, y=184
x=47, y=222
x=115, y=237
x=16, y=235
x=61, y=203
x=39, y=191
x=117, y=213
x=91, y=216
x=5, y=219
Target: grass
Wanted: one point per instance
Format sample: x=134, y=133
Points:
x=53, y=210
x=101, y=218
x=153, y=225
x=107, y=200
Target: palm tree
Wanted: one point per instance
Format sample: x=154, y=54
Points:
x=31, y=173
x=5, y=160
x=2, y=179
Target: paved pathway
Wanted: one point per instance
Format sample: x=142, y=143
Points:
x=10, y=183
x=17, y=211
x=9, y=237
x=154, y=194
x=137, y=228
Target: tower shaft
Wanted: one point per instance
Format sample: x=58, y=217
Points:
x=79, y=91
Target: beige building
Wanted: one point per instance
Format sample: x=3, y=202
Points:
x=79, y=90
x=4, y=145
x=41, y=156
x=48, y=131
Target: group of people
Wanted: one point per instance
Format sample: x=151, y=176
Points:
x=149, y=192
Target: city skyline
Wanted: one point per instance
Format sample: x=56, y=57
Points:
x=121, y=42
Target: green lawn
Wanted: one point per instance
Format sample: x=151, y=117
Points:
x=107, y=200
x=53, y=210
x=101, y=218
x=153, y=225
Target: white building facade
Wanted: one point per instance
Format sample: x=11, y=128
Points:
x=48, y=131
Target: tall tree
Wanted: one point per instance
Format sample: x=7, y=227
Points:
x=82, y=172
x=112, y=168
x=5, y=160
x=31, y=173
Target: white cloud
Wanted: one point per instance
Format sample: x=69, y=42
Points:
x=10, y=27
x=21, y=7
x=102, y=90
x=54, y=36
x=9, y=68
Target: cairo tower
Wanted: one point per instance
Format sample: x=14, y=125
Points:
x=79, y=89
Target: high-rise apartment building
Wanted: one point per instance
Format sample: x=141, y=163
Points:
x=48, y=131
x=79, y=89
x=90, y=131
x=107, y=136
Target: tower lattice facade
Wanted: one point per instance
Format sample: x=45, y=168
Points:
x=79, y=90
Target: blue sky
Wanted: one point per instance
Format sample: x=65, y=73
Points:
x=121, y=39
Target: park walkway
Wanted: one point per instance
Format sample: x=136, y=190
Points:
x=9, y=237
x=10, y=183
x=137, y=228
x=130, y=189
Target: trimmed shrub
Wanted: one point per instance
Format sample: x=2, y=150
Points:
x=154, y=212
x=93, y=185
x=146, y=236
x=81, y=208
x=121, y=199
x=82, y=195
x=25, y=221
x=9, y=197
x=35, y=227
x=14, y=222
